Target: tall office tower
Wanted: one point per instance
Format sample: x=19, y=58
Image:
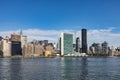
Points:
x=77, y=44
x=66, y=43
x=84, y=40
x=96, y=48
x=16, y=44
x=104, y=48
x=23, y=39
x=59, y=44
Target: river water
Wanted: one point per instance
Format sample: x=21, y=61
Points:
x=68, y=68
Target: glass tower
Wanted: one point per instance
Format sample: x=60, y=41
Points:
x=66, y=43
x=84, y=40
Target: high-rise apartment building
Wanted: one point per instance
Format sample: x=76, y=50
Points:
x=96, y=48
x=16, y=44
x=66, y=43
x=84, y=40
x=23, y=40
x=5, y=47
x=105, y=48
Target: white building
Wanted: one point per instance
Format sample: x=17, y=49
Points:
x=6, y=47
x=23, y=39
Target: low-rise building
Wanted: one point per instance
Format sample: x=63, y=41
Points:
x=6, y=47
x=49, y=51
x=31, y=49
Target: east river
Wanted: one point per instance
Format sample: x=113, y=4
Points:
x=68, y=68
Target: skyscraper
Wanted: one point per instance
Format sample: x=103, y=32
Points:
x=105, y=48
x=16, y=44
x=66, y=43
x=59, y=44
x=96, y=49
x=77, y=44
x=84, y=40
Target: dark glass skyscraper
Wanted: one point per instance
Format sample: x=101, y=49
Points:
x=16, y=48
x=84, y=40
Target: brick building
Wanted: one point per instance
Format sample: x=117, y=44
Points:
x=31, y=49
x=49, y=51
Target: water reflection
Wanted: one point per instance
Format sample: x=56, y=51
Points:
x=74, y=68
x=15, y=69
x=84, y=69
x=4, y=69
x=69, y=68
x=10, y=69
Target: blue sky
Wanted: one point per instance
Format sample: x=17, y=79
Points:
x=60, y=15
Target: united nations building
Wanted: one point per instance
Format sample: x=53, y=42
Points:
x=66, y=43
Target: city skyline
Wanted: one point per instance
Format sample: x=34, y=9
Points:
x=47, y=19
x=97, y=36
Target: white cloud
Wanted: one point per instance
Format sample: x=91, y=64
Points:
x=53, y=35
x=104, y=35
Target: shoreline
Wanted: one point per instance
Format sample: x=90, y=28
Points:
x=61, y=57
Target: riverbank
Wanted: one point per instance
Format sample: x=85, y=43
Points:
x=61, y=56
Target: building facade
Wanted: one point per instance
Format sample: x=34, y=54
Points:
x=84, y=40
x=5, y=47
x=77, y=44
x=66, y=43
x=96, y=48
x=105, y=48
x=49, y=51
x=32, y=49
x=23, y=40
x=100, y=49
x=16, y=48
x=59, y=44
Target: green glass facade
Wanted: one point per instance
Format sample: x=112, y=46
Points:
x=67, y=44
